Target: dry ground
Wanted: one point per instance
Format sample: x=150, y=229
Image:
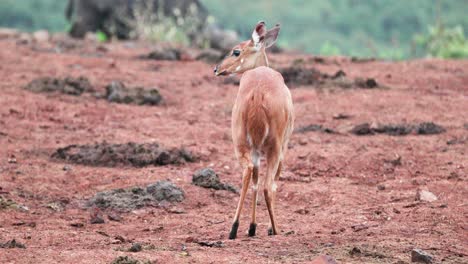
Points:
x=338, y=191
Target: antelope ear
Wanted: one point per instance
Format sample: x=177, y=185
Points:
x=271, y=36
x=258, y=35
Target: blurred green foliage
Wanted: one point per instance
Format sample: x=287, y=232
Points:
x=443, y=42
x=393, y=29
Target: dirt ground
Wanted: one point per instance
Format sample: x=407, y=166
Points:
x=348, y=196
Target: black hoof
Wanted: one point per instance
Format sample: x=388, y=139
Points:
x=234, y=228
x=270, y=232
x=252, y=229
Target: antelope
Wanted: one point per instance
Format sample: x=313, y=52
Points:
x=262, y=119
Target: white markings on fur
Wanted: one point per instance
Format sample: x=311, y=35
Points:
x=238, y=68
x=255, y=187
x=274, y=187
x=255, y=158
x=242, y=60
x=255, y=37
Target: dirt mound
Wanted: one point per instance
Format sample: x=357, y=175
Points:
x=125, y=200
x=297, y=75
x=68, y=85
x=207, y=178
x=117, y=92
x=130, y=154
x=128, y=260
x=12, y=244
x=314, y=128
x=301, y=76
x=425, y=128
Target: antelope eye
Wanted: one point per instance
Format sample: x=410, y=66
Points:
x=236, y=53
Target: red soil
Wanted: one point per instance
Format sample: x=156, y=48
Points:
x=338, y=191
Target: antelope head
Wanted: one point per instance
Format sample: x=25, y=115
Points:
x=249, y=54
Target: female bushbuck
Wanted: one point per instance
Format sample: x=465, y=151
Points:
x=262, y=119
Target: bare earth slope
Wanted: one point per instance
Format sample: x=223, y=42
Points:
x=351, y=197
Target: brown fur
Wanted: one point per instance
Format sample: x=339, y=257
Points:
x=262, y=119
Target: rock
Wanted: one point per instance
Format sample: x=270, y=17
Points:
x=136, y=247
x=207, y=178
x=12, y=244
x=325, y=259
x=417, y=255
x=8, y=33
x=117, y=92
x=166, y=191
x=114, y=217
x=426, y=196
x=366, y=83
x=41, y=36
x=217, y=244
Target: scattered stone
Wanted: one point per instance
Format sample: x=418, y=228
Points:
x=207, y=178
x=117, y=92
x=381, y=187
x=57, y=206
x=341, y=116
x=426, y=196
x=429, y=128
x=302, y=211
x=395, y=162
x=12, y=244
x=130, y=154
x=323, y=260
x=128, y=260
x=357, y=252
x=314, y=128
x=77, y=225
x=456, y=141
x=164, y=53
x=418, y=255
x=366, y=83
x=216, y=244
x=7, y=204
x=360, y=227
x=465, y=126
x=210, y=56
x=124, y=200
x=136, y=247
x=114, y=217
x=68, y=85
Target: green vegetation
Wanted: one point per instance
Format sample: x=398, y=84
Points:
x=394, y=29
